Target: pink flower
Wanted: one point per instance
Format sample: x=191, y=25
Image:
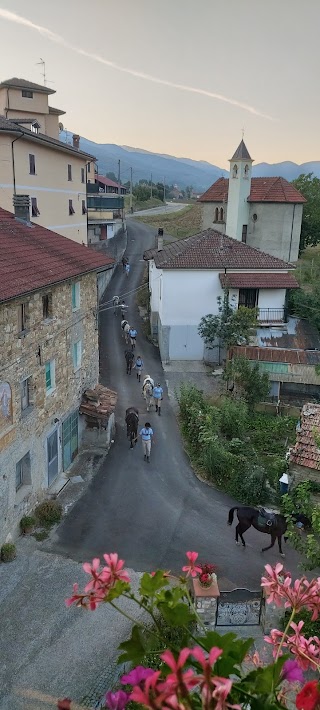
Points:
x=306, y=651
x=169, y=659
x=137, y=675
x=100, y=578
x=275, y=639
x=178, y=680
x=150, y=695
x=279, y=589
x=206, y=661
x=222, y=689
x=115, y=567
x=192, y=568
x=116, y=701
x=292, y=672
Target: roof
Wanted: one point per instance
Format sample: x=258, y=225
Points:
x=212, y=250
x=16, y=83
x=305, y=451
x=292, y=357
x=98, y=404
x=33, y=257
x=58, y=111
x=296, y=334
x=242, y=152
x=241, y=280
x=266, y=189
x=109, y=183
x=7, y=126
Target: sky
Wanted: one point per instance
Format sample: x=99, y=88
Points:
x=181, y=77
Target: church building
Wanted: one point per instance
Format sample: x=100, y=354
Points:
x=264, y=213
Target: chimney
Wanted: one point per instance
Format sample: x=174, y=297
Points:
x=21, y=206
x=76, y=141
x=160, y=239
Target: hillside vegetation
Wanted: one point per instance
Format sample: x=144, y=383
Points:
x=179, y=224
x=305, y=302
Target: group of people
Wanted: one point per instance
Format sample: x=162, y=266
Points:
x=155, y=393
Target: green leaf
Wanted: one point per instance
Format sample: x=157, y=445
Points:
x=179, y=615
x=234, y=651
x=149, y=584
x=117, y=590
x=264, y=680
x=135, y=648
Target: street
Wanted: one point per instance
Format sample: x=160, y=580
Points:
x=168, y=207
x=152, y=513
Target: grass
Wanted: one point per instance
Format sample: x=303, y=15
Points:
x=146, y=205
x=308, y=267
x=179, y=224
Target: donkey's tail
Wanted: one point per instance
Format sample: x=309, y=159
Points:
x=231, y=514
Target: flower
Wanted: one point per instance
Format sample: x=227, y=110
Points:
x=114, y=567
x=137, y=675
x=64, y=704
x=309, y=696
x=278, y=587
x=292, y=672
x=117, y=700
x=207, y=567
x=221, y=692
x=192, y=568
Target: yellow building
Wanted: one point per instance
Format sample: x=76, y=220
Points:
x=35, y=162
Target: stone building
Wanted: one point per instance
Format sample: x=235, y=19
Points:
x=305, y=455
x=264, y=213
x=48, y=358
x=35, y=162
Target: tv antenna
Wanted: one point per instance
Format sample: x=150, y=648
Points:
x=43, y=64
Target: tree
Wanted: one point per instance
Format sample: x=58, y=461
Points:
x=254, y=384
x=309, y=187
x=112, y=176
x=230, y=327
x=299, y=500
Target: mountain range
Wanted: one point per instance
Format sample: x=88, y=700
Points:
x=181, y=171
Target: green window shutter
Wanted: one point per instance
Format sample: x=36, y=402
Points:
x=73, y=289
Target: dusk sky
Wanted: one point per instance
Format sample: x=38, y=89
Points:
x=119, y=67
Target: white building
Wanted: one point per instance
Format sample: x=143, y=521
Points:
x=264, y=213
x=187, y=276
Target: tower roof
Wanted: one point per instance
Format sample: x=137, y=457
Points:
x=241, y=152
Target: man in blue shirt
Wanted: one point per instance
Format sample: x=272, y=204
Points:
x=139, y=367
x=158, y=397
x=146, y=434
x=133, y=335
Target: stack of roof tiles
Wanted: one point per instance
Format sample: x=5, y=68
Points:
x=306, y=451
x=100, y=403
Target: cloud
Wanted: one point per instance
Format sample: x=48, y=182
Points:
x=17, y=19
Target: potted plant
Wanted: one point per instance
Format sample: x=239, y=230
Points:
x=207, y=575
x=27, y=524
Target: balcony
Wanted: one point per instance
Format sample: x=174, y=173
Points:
x=269, y=316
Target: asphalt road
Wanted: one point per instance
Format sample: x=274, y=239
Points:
x=168, y=207
x=152, y=513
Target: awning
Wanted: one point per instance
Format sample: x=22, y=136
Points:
x=258, y=280
x=97, y=404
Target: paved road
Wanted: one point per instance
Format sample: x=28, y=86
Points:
x=168, y=207
x=152, y=513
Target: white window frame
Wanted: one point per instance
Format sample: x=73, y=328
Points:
x=52, y=364
x=75, y=288
x=77, y=355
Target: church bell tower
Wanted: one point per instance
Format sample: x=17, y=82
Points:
x=239, y=191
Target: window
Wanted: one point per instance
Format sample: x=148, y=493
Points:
x=84, y=209
x=221, y=214
x=216, y=214
x=34, y=207
x=47, y=306
x=75, y=292
x=50, y=376
x=246, y=171
x=23, y=472
x=248, y=297
x=34, y=128
x=244, y=233
x=22, y=317
x=89, y=168
x=77, y=352
x=27, y=94
x=254, y=217
x=32, y=164
x=71, y=210
x=235, y=171
x=69, y=172
x=82, y=174
x=26, y=393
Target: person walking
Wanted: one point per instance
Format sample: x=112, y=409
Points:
x=133, y=336
x=138, y=365
x=123, y=309
x=127, y=269
x=158, y=397
x=115, y=301
x=124, y=262
x=146, y=434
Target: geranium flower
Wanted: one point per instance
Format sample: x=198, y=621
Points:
x=115, y=567
x=309, y=696
x=117, y=700
x=222, y=689
x=292, y=672
x=192, y=568
x=137, y=675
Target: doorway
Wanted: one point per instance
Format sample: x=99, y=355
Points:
x=248, y=297
x=52, y=455
x=70, y=440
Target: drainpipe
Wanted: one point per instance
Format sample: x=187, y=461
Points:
x=13, y=163
x=290, y=247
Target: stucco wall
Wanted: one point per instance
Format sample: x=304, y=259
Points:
x=49, y=185
x=23, y=357
x=208, y=214
x=188, y=295
x=276, y=230
x=52, y=125
x=13, y=100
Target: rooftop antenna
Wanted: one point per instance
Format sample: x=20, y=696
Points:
x=43, y=64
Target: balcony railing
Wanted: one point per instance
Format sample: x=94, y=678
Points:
x=105, y=202
x=272, y=315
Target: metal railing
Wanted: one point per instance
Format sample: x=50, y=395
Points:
x=272, y=315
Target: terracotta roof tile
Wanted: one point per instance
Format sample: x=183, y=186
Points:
x=268, y=189
x=212, y=250
x=32, y=257
x=241, y=280
x=100, y=410
x=106, y=181
x=306, y=452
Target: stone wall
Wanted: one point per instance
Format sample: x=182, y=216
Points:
x=302, y=473
x=24, y=355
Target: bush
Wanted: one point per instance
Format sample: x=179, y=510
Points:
x=8, y=552
x=310, y=628
x=234, y=417
x=48, y=513
x=27, y=522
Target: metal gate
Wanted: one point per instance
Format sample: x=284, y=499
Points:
x=239, y=607
x=69, y=440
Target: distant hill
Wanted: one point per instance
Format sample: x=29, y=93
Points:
x=180, y=171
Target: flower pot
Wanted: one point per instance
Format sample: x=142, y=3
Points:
x=207, y=584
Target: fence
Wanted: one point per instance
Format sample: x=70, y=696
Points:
x=239, y=607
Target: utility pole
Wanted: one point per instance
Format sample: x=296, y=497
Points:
x=131, y=190
x=164, y=190
x=119, y=177
x=43, y=64
x=151, y=187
